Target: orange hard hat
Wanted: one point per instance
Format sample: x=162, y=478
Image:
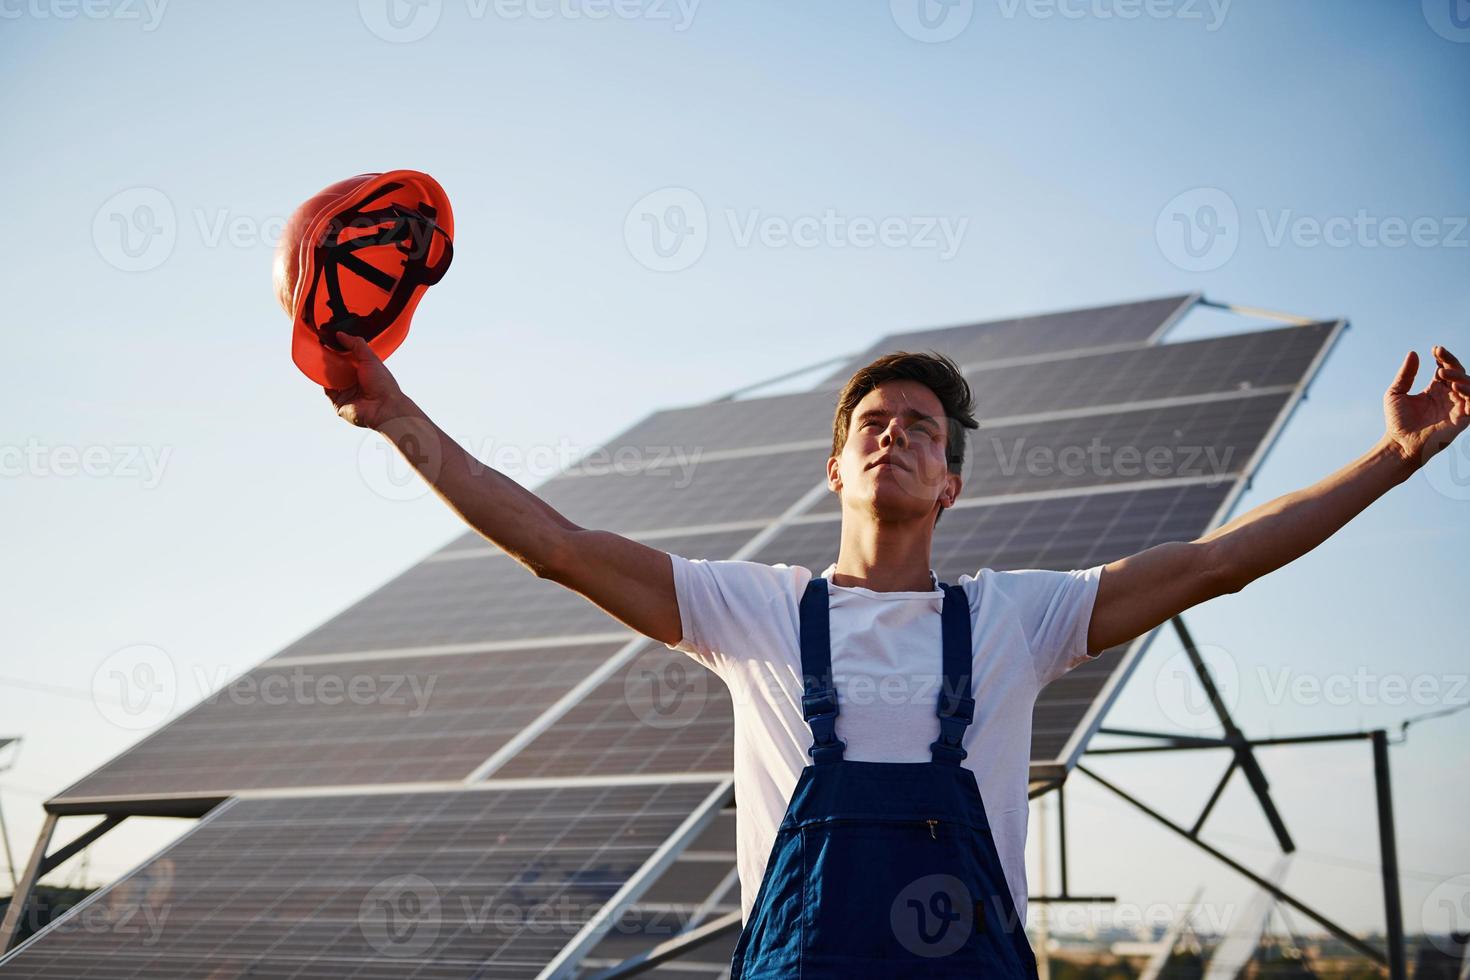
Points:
x=357, y=257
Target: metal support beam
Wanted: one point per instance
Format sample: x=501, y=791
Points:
x=1246, y=758
x=102, y=826
x=1170, y=738
x=1367, y=950
x=672, y=947
x=1254, y=743
x=9, y=856
x=1065, y=895
x=1388, y=849
x=1214, y=797
x=1256, y=311
x=10, y=927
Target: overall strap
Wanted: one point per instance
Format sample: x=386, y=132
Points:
x=819, y=696
x=956, y=706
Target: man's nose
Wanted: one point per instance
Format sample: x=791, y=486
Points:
x=894, y=433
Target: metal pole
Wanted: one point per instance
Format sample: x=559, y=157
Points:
x=1390, y=859
x=13, y=915
x=1062, y=833
x=9, y=856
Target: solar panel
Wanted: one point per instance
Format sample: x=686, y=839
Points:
x=535, y=683
x=478, y=882
x=722, y=426
x=711, y=491
x=662, y=712
x=1067, y=330
x=1237, y=363
x=487, y=597
x=336, y=723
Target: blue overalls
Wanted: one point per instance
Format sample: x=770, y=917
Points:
x=884, y=869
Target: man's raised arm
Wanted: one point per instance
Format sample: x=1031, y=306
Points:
x=1137, y=593
x=631, y=581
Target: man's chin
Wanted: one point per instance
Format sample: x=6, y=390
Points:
x=893, y=507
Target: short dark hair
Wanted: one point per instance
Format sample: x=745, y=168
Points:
x=933, y=370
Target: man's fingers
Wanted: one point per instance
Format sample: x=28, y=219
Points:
x=1405, y=378
x=1445, y=357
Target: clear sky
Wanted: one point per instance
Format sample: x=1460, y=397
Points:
x=172, y=480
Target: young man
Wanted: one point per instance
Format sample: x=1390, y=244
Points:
x=897, y=834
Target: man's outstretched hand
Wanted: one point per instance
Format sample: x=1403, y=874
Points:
x=376, y=397
x=1426, y=423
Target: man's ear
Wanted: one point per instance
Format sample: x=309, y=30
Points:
x=834, y=475
x=954, y=485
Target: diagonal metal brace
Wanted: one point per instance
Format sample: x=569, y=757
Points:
x=1245, y=757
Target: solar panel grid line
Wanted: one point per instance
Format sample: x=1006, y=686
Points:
x=1093, y=411
x=645, y=536
x=657, y=862
x=1061, y=493
x=451, y=649
x=1093, y=720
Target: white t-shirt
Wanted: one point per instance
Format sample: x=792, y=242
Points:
x=741, y=620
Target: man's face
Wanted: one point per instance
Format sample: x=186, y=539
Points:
x=893, y=464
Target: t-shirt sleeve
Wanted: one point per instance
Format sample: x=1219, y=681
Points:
x=1053, y=610
x=730, y=610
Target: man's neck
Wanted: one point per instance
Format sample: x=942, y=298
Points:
x=884, y=557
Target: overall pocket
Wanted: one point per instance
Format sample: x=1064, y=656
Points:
x=899, y=889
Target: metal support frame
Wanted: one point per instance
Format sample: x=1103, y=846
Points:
x=1065, y=895
x=672, y=947
x=41, y=864
x=1243, y=757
